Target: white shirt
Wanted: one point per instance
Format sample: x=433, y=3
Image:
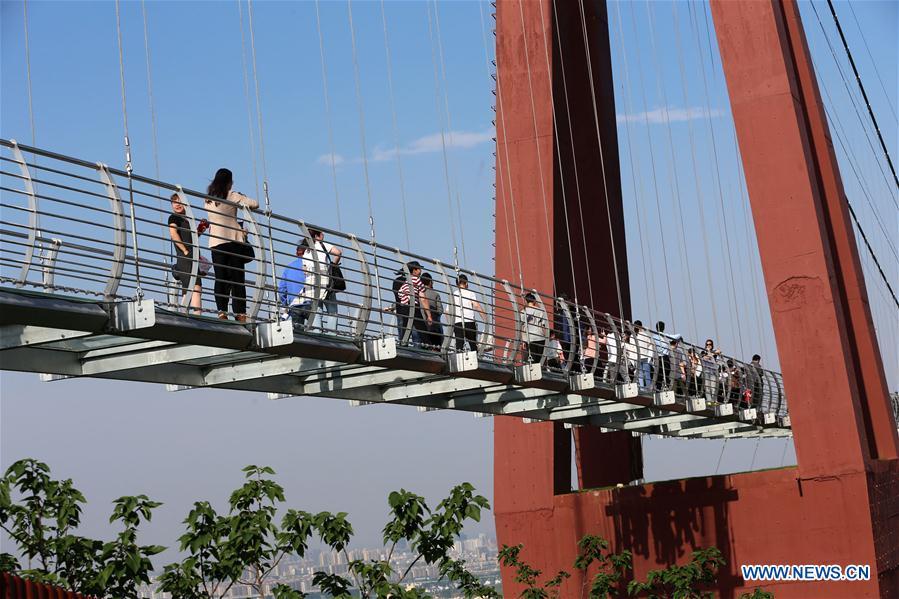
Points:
x=317, y=284
x=463, y=305
x=533, y=324
x=630, y=352
x=611, y=347
x=645, y=344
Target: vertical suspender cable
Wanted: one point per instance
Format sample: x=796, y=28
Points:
x=128, y=166
x=332, y=156
x=27, y=40
x=732, y=290
x=602, y=162
x=510, y=231
x=655, y=183
x=696, y=178
x=361, y=106
x=449, y=125
x=552, y=104
x=758, y=300
x=396, y=131
x=28, y=72
x=153, y=129
x=537, y=142
x=682, y=245
x=635, y=182
x=268, y=205
x=246, y=92
x=446, y=175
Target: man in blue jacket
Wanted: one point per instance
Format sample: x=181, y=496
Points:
x=292, y=295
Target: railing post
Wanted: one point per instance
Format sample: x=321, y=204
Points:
x=119, y=236
x=32, y=213
x=365, y=309
x=259, y=273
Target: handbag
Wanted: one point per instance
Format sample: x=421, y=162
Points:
x=336, y=282
x=243, y=251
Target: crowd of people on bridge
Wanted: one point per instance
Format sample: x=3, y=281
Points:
x=623, y=353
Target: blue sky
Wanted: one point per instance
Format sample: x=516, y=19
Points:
x=204, y=122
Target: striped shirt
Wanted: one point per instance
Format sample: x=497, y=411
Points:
x=405, y=291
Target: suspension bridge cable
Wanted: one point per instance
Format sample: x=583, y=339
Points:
x=27, y=40
x=129, y=169
x=655, y=183
x=577, y=183
x=861, y=87
x=694, y=162
x=602, y=161
x=842, y=138
x=150, y=100
x=446, y=172
x=361, y=108
x=396, y=131
x=28, y=72
x=636, y=182
x=552, y=103
x=682, y=239
x=886, y=95
x=268, y=205
x=834, y=117
x=449, y=124
x=732, y=290
x=508, y=172
x=757, y=296
x=493, y=78
x=851, y=96
x=169, y=249
x=249, y=104
x=537, y=148
x=332, y=157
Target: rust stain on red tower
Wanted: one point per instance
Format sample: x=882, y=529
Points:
x=557, y=155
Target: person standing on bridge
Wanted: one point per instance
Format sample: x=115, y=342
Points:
x=330, y=279
x=645, y=348
x=465, y=304
x=228, y=242
x=183, y=242
x=533, y=328
x=411, y=302
x=293, y=297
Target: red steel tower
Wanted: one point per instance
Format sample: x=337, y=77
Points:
x=840, y=504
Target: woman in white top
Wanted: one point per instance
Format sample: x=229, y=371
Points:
x=227, y=240
x=465, y=305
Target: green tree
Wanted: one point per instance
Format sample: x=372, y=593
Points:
x=40, y=515
x=682, y=582
x=592, y=549
x=245, y=545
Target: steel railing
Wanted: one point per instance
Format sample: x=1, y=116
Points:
x=66, y=228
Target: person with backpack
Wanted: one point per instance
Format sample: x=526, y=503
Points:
x=330, y=280
x=411, y=302
x=293, y=297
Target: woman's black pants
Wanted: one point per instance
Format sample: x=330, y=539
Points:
x=230, y=278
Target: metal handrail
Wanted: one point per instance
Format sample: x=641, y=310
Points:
x=369, y=269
